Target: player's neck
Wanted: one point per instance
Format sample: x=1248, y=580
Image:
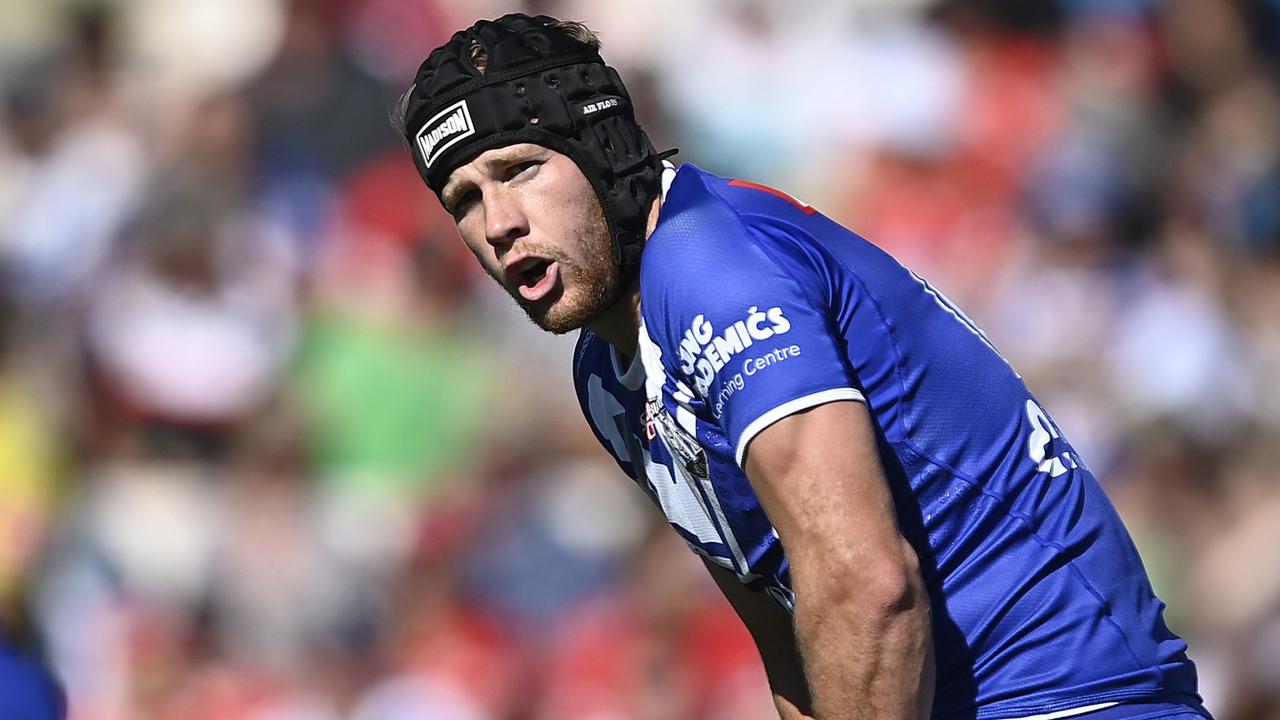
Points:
x=652, y=222
x=619, y=325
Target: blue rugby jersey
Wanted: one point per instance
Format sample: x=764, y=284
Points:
x=755, y=307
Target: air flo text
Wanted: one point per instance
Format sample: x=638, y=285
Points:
x=598, y=106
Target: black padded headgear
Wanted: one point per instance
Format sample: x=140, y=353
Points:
x=541, y=86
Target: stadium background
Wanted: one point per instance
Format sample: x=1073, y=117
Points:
x=269, y=448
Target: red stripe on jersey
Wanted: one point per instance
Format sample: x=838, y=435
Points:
x=756, y=186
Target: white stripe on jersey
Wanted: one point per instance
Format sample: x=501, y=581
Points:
x=1070, y=712
x=790, y=408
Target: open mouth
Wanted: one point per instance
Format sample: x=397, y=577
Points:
x=535, y=277
x=532, y=271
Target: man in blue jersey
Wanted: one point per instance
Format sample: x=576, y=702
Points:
x=898, y=522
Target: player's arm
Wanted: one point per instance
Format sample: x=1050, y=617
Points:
x=861, y=611
x=775, y=638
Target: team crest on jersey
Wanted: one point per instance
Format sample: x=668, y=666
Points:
x=683, y=445
x=651, y=410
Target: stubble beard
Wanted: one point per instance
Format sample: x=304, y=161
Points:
x=587, y=287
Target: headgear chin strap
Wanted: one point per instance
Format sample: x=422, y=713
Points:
x=541, y=86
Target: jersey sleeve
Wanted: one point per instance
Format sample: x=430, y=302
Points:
x=746, y=329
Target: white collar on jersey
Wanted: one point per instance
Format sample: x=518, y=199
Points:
x=668, y=175
x=633, y=377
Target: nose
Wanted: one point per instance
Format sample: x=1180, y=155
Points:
x=504, y=218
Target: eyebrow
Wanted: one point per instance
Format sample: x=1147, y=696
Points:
x=451, y=192
x=505, y=156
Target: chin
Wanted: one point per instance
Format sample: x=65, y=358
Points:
x=558, y=320
x=566, y=314
x=586, y=293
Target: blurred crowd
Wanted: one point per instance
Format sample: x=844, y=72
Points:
x=270, y=446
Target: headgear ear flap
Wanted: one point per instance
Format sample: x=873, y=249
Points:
x=540, y=85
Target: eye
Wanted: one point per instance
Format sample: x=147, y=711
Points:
x=521, y=168
x=463, y=203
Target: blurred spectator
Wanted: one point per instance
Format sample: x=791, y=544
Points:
x=28, y=472
x=396, y=400
x=316, y=110
x=447, y=657
x=182, y=51
x=259, y=453
x=186, y=330
x=395, y=391
x=75, y=175
x=274, y=593
x=556, y=534
x=386, y=35
x=667, y=646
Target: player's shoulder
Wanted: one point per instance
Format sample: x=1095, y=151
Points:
x=700, y=228
x=705, y=215
x=693, y=193
x=694, y=214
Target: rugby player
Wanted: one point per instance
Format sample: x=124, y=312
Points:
x=898, y=522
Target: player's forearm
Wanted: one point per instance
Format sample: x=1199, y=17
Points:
x=865, y=640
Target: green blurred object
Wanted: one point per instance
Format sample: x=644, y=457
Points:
x=390, y=408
